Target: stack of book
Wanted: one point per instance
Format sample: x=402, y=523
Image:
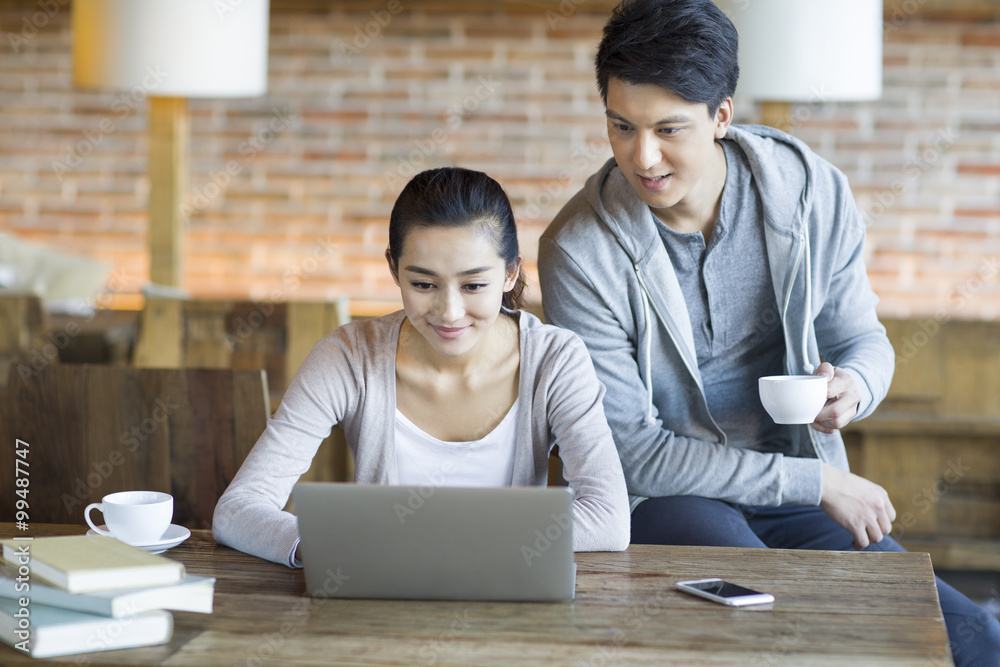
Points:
x=83, y=593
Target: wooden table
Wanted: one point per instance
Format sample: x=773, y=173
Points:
x=831, y=608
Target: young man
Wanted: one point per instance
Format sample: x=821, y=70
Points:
x=702, y=257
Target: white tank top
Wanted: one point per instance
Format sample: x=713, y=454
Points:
x=422, y=459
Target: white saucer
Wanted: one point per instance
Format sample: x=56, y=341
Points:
x=173, y=536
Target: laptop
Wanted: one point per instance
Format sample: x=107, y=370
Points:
x=436, y=543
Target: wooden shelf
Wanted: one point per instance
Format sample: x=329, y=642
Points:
x=954, y=554
x=899, y=423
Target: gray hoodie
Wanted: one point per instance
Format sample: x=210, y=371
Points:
x=606, y=275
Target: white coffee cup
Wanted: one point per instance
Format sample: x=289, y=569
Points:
x=793, y=399
x=134, y=517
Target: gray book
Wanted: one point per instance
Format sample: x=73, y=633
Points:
x=194, y=593
x=42, y=631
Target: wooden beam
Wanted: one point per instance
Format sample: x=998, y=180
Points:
x=161, y=334
x=169, y=131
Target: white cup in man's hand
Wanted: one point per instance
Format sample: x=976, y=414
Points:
x=134, y=517
x=793, y=399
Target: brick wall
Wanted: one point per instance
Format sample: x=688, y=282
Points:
x=356, y=105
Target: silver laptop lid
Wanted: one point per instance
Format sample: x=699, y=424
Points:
x=436, y=543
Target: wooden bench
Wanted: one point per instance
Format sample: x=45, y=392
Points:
x=934, y=442
x=91, y=430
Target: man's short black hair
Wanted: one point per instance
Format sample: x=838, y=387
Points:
x=688, y=47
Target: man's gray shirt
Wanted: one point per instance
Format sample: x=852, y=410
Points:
x=734, y=316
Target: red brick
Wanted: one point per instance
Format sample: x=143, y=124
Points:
x=989, y=38
x=985, y=169
x=978, y=213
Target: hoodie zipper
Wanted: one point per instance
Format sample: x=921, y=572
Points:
x=649, y=332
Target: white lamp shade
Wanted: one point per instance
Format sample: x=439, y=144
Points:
x=172, y=48
x=808, y=50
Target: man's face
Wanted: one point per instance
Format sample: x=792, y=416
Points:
x=664, y=144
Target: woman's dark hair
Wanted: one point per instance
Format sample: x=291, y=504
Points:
x=456, y=197
x=688, y=47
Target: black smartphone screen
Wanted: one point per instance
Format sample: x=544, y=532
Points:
x=723, y=589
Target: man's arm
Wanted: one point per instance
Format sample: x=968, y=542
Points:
x=859, y=361
x=848, y=332
x=657, y=461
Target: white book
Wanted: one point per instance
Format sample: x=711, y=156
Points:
x=193, y=594
x=86, y=563
x=43, y=632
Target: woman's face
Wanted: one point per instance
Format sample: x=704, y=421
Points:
x=452, y=280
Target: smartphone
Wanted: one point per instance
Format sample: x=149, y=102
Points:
x=724, y=592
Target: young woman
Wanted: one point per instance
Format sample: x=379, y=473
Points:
x=460, y=388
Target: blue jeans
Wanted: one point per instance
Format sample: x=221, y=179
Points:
x=691, y=520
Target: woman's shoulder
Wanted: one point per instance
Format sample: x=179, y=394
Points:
x=546, y=338
x=554, y=357
x=364, y=337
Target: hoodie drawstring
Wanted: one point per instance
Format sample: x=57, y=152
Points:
x=648, y=419
x=806, y=366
